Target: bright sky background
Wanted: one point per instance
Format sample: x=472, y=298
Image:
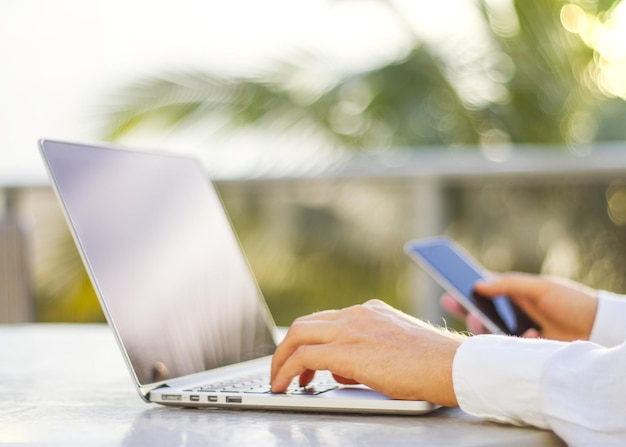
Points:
x=60, y=59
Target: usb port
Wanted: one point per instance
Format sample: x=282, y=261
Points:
x=194, y=398
x=233, y=399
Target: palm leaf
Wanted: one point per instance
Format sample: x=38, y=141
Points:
x=361, y=111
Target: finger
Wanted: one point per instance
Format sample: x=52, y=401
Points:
x=308, y=357
x=306, y=377
x=324, y=315
x=531, y=333
x=513, y=285
x=452, y=306
x=474, y=325
x=302, y=332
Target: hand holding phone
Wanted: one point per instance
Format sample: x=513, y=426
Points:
x=456, y=271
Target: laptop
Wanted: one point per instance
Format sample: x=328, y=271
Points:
x=175, y=286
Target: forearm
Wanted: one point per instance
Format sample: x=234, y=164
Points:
x=498, y=378
x=575, y=389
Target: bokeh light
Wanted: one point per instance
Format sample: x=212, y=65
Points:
x=605, y=34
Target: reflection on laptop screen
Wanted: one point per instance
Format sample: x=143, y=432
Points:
x=163, y=258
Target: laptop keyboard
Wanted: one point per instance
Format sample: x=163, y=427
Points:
x=260, y=385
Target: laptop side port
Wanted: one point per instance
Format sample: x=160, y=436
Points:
x=212, y=398
x=233, y=399
x=194, y=398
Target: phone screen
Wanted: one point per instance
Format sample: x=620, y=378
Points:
x=457, y=270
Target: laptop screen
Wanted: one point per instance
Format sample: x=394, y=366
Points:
x=162, y=256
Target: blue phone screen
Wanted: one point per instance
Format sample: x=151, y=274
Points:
x=462, y=273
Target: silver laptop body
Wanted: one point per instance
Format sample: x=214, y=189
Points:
x=175, y=286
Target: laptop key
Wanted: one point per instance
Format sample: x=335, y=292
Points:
x=259, y=390
x=256, y=385
x=313, y=390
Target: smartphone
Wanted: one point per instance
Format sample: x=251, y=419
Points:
x=457, y=272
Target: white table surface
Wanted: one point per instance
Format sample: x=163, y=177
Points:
x=68, y=385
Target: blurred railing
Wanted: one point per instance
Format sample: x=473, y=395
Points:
x=425, y=176
x=428, y=176
x=16, y=301
x=431, y=171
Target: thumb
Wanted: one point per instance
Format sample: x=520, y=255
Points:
x=344, y=380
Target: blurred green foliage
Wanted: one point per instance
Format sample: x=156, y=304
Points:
x=530, y=80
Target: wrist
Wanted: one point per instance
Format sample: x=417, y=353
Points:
x=446, y=393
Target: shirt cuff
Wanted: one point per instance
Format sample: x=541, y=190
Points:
x=498, y=378
x=609, y=326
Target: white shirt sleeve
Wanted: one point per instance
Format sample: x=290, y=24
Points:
x=576, y=389
x=609, y=327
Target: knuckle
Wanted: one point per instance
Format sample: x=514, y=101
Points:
x=297, y=326
x=358, y=310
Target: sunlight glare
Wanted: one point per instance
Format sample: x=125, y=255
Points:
x=607, y=36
